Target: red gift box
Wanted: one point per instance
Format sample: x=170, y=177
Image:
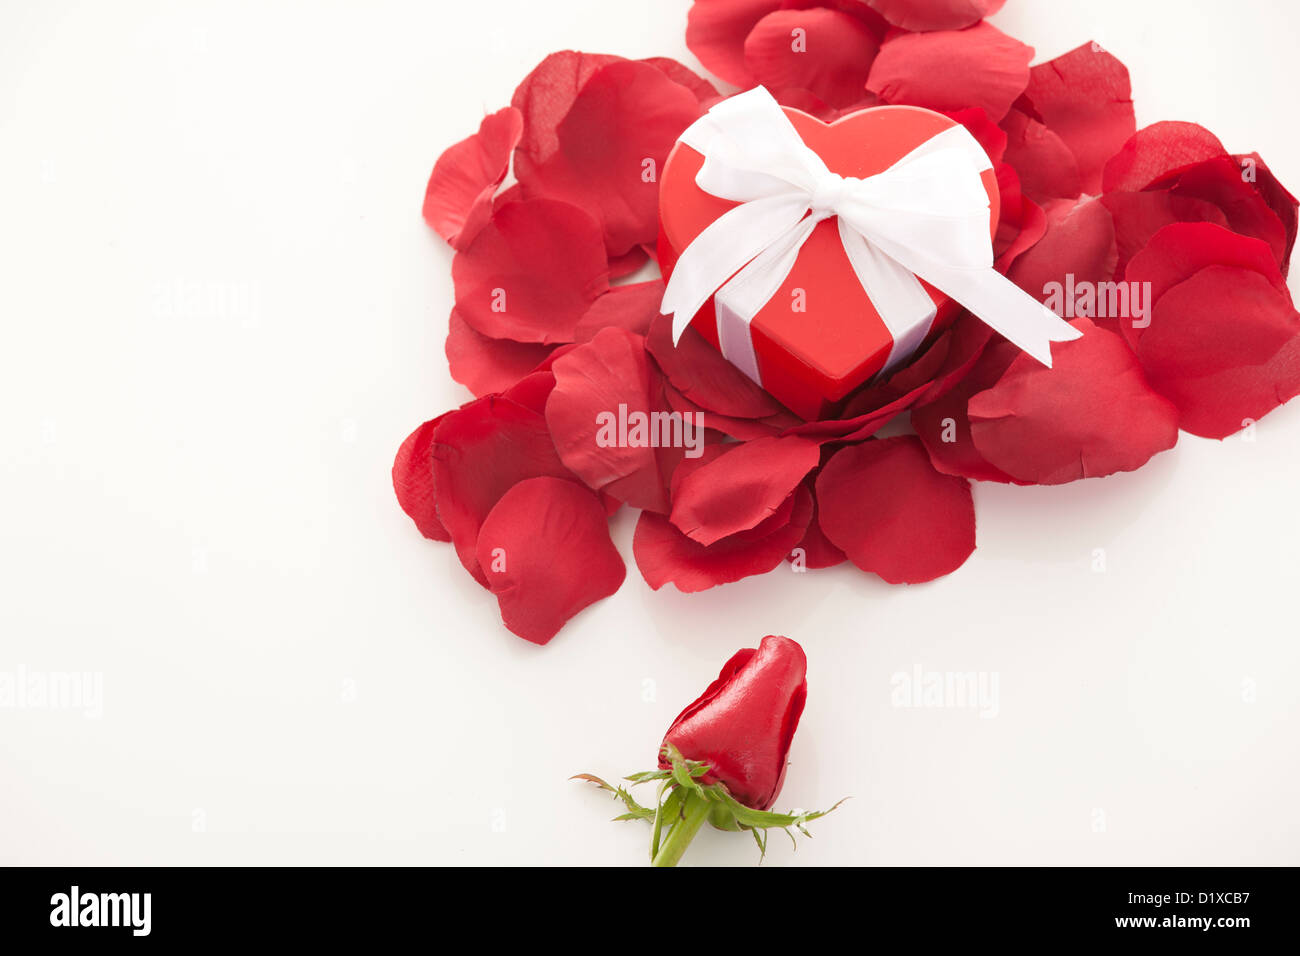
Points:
x=810, y=360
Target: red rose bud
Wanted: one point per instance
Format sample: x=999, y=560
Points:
x=742, y=724
x=723, y=759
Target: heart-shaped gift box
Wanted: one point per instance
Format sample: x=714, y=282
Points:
x=820, y=336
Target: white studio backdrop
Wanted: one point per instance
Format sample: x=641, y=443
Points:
x=223, y=312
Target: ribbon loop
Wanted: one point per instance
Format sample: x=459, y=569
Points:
x=924, y=217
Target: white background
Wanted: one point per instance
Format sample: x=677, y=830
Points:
x=222, y=313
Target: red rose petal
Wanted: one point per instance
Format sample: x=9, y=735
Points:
x=716, y=31
x=592, y=383
x=664, y=554
x=830, y=58
x=1220, y=181
x=815, y=551
x=1222, y=346
x=922, y=15
x=458, y=199
x=1139, y=216
x=1046, y=166
x=485, y=365
x=742, y=429
x=1021, y=224
x=532, y=391
x=742, y=488
x=699, y=372
x=1179, y=251
x=480, y=452
x=628, y=263
x=546, y=552
x=945, y=363
x=1155, y=151
x=1220, y=318
x=1080, y=242
x=705, y=92
x=631, y=307
x=545, y=96
x=952, y=69
x=943, y=425
x=991, y=137
x=1093, y=413
x=1084, y=97
x=532, y=272
x=1283, y=204
x=413, y=480
x=612, y=144
x=891, y=513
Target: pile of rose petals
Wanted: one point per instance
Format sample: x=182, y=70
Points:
x=549, y=331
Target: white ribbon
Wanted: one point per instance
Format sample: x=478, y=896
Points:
x=927, y=215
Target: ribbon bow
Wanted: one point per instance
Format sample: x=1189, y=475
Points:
x=925, y=216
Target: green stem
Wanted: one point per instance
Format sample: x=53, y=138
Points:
x=695, y=810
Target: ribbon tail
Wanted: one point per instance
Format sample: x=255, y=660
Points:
x=1006, y=308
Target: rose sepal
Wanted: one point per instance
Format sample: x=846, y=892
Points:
x=684, y=803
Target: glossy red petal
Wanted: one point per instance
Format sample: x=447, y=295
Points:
x=1084, y=97
x=458, y=198
x=824, y=51
x=744, y=722
x=891, y=513
x=532, y=272
x=716, y=31
x=480, y=452
x=602, y=389
x=1157, y=150
x=699, y=372
x=1046, y=166
x=1222, y=346
x=923, y=15
x=1093, y=413
x=612, y=144
x=413, y=480
x=665, y=555
x=485, y=365
x=742, y=488
x=952, y=69
x=546, y=552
